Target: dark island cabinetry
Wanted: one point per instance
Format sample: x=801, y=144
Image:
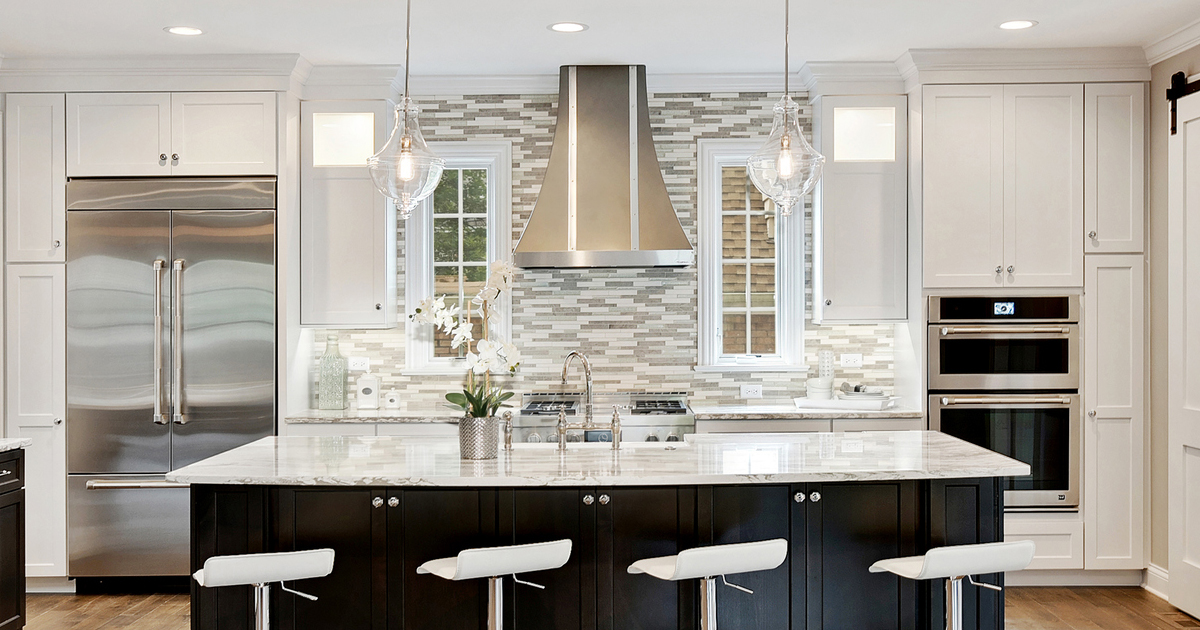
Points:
x=12, y=539
x=381, y=535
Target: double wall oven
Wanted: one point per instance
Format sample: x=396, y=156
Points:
x=1004, y=374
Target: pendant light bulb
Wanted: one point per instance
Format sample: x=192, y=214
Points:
x=405, y=169
x=787, y=167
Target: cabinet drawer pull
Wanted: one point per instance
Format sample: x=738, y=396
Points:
x=588, y=499
x=5, y=473
x=798, y=497
x=816, y=496
x=377, y=502
x=604, y=499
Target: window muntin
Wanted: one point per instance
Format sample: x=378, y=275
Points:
x=460, y=243
x=748, y=265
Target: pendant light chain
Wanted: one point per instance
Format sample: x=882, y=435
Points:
x=407, y=38
x=787, y=28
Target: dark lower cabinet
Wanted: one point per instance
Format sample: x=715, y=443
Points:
x=381, y=535
x=12, y=556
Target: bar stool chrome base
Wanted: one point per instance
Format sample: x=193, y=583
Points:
x=260, y=570
x=709, y=563
x=494, y=562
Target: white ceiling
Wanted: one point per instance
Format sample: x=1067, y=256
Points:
x=472, y=37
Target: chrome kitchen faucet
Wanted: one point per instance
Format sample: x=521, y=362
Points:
x=587, y=375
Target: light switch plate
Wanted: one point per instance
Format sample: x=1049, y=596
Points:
x=751, y=391
x=359, y=364
x=851, y=360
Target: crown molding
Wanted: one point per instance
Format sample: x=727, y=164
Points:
x=1022, y=65
x=441, y=85
x=163, y=73
x=1173, y=44
x=375, y=82
x=845, y=78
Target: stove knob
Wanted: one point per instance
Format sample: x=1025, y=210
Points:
x=533, y=437
x=651, y=438
x=674, y=437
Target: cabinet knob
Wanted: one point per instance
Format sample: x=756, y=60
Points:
x=377, y=502
x=999, y=269
x=379, y=307
x=588, y=499
x=814, y=497
x=58, y=421
x=1010, y=269
x=1092, y=234
x=1092, y=413
x=175, y=157
x=828, y=302
x=604, y=499
x=798, y=497
x=57, y=243
x=162, y=157
x=393, y=502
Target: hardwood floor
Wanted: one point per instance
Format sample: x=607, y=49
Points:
x=1027, y=609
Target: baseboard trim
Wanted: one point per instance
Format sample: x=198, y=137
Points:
x=1073, y=577
x=1156, y=581
x=49, y=585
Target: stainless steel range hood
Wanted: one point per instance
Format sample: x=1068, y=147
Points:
x=603, y=202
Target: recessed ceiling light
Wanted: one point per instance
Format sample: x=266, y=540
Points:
x=567, y=27
x=183, y=30
x=1016, y=25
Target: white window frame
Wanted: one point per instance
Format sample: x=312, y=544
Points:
x=496, y=159
x=714, y=155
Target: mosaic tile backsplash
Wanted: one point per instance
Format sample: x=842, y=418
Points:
x=638, y=326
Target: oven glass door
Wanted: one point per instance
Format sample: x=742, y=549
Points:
x=1042, y=431
x=999, y=358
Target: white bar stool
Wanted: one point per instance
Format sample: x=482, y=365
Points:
x=493, y=562
x=958, y=562
x=706, y=563
x=260, y=570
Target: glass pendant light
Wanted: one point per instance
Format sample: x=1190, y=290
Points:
x=405, y=169
x=787, y=167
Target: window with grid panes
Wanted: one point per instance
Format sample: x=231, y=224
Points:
x=750, y=269
x=460, y=244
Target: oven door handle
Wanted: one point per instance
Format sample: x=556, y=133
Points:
x=1005, y=330
x=949, y=401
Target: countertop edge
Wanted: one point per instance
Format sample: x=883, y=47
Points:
x=12, y=444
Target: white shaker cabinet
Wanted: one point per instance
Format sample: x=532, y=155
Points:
x=36, y=406
x=963, y=185
x=1003, y=185
x=860, y=209
x=35, y=196
x=180, y=134
x=118, y=134
x=1113, y=418
x=1043, y=185
x=347, y=228
x=1114, y=156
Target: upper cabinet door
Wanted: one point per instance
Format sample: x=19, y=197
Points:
x=860, y=214
x=963, y=190
x=1114, y=159
x=223, y=133
x=1043, y=185
x=118, y=134
x=34, y=172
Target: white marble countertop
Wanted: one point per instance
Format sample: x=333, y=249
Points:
x=789, y=411
x=12, y=444
x=381, y=416
x=703, y=460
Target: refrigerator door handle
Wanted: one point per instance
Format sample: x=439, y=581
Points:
x=177, y=343
x=159, y=416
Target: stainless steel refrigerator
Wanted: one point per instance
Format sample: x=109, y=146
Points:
x=170, y=355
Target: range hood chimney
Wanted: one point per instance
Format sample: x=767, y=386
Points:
x=603, y=202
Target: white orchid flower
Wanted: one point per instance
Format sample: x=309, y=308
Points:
x=425, y=312
x=512, y=356
x=462, y=334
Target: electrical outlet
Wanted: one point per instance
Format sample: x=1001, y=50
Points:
x=360, y=364
x=851, y=360
x=751, y=391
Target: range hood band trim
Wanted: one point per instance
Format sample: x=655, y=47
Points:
x=572, y=160
x=634, y=228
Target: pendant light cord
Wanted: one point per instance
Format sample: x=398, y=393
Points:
x=787, y=24
x=407, y=37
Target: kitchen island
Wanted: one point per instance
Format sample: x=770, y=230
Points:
x=12, y=532
x=389, y=504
